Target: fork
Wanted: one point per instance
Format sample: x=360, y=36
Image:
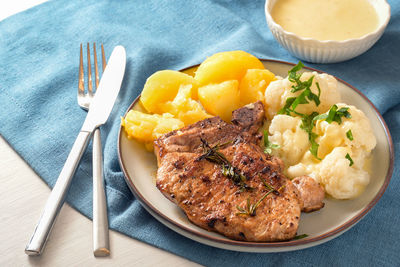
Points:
x=100, y=220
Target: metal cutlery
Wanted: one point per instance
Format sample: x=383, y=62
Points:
x=100, y=221
x=100, y=109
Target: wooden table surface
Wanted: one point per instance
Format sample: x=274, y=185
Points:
x=23, y=195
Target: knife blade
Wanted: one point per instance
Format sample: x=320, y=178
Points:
x=100, y=109
x=107, y=92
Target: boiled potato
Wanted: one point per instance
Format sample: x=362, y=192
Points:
x=190, y=71
x=163, y=86
x=146, y=128
x=184, y=107
x=226, y=66
x=253, y=85
x=220, y=99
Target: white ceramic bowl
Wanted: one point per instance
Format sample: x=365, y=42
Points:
x=329, y=51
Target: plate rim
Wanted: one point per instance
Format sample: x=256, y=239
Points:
x=281, y=244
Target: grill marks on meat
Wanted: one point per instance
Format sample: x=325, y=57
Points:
x=188, y=139
x=246, y=120
x=210, y=199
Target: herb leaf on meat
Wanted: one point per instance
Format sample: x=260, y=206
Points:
x=250, y=209
x=213, y=155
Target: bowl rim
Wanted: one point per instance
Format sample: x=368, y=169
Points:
x=376, y=32
x=291, y=243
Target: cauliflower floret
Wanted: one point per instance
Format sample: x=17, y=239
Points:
x=341, y=180
x=339, y=145
x=334, y=172
x=297, y=171
x=306, y=166
x=333, y=134
x=285, y=131
x=278, y=91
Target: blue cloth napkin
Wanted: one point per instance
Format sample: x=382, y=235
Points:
x=39, y=51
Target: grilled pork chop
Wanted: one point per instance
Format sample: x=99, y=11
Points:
x=311, y=192
x=244, y=196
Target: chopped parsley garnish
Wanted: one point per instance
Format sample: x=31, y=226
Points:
x=287, y=107
x=349, y=135
x=293, y=75
x=335, y=114
x=300, y=236
x=305, y=97
x=350, y=159
x=268, y=146
x=308, y=125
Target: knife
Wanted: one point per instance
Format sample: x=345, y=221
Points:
x=100, y=109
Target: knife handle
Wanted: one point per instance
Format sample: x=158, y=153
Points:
x=101, y=246
x=57, y=196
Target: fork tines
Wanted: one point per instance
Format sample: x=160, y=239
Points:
x=81, y=84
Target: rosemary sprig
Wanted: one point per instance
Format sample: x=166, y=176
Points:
x=270, y=187
x=213, y=155
x=250, y=209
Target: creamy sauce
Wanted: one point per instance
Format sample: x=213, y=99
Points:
x=368, y=164
x=326, y=19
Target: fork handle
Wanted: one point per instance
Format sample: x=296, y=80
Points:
x=101, y=246
x=57, y=196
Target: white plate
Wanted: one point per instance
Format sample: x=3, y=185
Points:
x=140, y=166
